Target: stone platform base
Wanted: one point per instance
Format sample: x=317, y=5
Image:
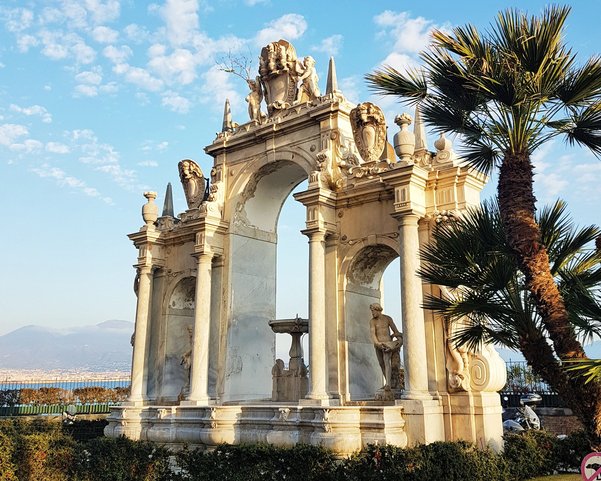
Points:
x=342, y=429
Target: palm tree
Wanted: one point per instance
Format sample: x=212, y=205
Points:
x=471, y=258
x=505, y=93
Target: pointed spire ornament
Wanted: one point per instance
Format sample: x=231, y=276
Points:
x=332, y=83
x=227, y=117
x=419, y=129
x=168, y=204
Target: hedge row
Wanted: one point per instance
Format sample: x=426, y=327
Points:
x=55, y=395
x=44, y=451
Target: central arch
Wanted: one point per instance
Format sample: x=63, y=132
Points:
x=250, y=345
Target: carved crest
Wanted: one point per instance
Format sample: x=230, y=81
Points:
x=193, y=182
x=277, y=68
x=369, y=130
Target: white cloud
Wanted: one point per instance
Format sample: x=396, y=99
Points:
x=57, y=45
x=85, y=90
x=409, y=36
x=290, y=27
x=27, y=146
x=148, y=163
x=152, y=146
x=104, y=34
x=329, y=45
x=33, y=110
x=216, y=87
x=117, y=55
x=65, y=180
x=175, y=102
x=102, y=12
x=400, y=61
x=181, y=20
x=18, y=19
x=109, y=88
x=25, y=42
x=178, y=67
x=11, y=132
x=351, y=87
x=252, y=3
x=139, y=77
x=136, y=33
x=93, y=77
x=57, y=148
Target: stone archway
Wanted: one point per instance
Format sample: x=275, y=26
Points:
x=250, y=351
x=363, y=287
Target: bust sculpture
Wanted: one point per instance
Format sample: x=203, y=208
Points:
x=385, y=343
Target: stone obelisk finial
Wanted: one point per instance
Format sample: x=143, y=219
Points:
x=419, y=129
x=332, y=84
x=227, y=117
x=168, y=204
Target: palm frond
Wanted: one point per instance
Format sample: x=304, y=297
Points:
x=389, y=81
x=585, y=128
x=590, y=369
x=581, y=85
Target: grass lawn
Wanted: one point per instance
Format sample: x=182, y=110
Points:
x=559, y=477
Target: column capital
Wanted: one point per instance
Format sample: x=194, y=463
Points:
x=315, y=235
x=407, y=219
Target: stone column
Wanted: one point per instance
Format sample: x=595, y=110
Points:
x=317, y=317
x=414, y=335
x=138, y=384
x=199, y=373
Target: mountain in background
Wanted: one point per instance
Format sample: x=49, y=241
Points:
x=103, y=347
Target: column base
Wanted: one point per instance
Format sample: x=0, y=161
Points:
x=417, y=395
x=326, y=401
x=198, y=402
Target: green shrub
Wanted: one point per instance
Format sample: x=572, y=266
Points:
x=441, y=460
x=530, y=454
x=258, y=462
x=571, y=451
x=44, y=456
x=7, y=468
x=121, y=459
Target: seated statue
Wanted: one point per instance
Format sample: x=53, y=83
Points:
x=385, y=344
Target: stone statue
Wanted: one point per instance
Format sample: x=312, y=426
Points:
x=193, y=182
x=186, y=362
x=369, y=130
x=309, y=87
x=254, y=99
x=384, y=344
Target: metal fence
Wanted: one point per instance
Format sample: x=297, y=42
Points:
x=55, y=396
x=95, y=396
x=521, y=380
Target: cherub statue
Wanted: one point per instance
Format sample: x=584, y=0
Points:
x=193, y=182
x=308, y=76
x=254, y=99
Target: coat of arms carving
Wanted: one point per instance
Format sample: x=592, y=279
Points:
x=369, y=130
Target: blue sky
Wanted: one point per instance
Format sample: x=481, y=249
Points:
x=100, y=99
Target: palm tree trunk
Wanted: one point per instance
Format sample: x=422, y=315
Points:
x=517, y=208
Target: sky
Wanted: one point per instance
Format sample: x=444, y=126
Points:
x=100, y=99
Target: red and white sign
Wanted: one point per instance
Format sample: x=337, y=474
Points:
x=591, y=467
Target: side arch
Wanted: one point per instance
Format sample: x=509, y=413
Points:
x=361, y=278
